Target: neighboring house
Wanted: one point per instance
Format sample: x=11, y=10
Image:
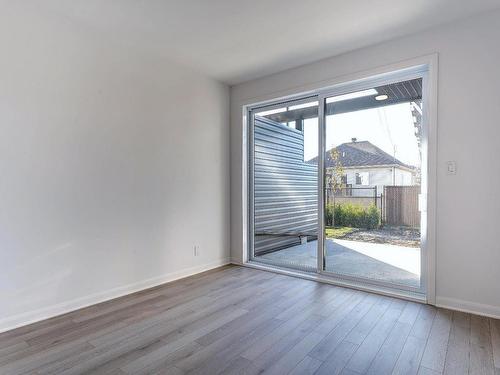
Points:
x=365, y=165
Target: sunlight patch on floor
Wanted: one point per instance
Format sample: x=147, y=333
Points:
x=406, y=258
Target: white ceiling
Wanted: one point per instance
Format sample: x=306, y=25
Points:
x=238, y=40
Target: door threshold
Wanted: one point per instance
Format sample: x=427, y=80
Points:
x=365, y=287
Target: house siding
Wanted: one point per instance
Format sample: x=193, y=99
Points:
x=378, y=177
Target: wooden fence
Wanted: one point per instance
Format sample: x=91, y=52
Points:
x=400, y=206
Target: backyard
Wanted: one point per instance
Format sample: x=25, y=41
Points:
x=400, y=236
x=369, y=260
x=361, y=246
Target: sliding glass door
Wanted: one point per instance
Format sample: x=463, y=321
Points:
x=372, y=180
x=284, y=183
x=356, y=154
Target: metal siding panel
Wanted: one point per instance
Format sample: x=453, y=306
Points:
x=285, y=187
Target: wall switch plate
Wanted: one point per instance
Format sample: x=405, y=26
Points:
x=451, y=167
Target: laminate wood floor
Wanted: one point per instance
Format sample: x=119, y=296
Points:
x=236, y=320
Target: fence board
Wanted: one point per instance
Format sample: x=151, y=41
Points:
x=401, y=206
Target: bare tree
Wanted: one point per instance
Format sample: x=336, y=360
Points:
x=335, y=174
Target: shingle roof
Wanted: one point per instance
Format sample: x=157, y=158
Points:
x=360, y=153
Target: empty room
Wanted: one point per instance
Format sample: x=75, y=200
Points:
x=249, y=187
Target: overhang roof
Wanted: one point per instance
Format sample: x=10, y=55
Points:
x=400, y=92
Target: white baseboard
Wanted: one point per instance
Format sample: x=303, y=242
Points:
x=79, y=303
x=468, y=307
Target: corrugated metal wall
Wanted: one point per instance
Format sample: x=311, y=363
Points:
x=285, y=189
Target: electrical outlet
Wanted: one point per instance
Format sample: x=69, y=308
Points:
x=196, y=250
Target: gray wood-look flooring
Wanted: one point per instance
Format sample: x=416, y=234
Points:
x=236, y=320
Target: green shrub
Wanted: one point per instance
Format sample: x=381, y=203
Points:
x=352, y=215
x=329, y=215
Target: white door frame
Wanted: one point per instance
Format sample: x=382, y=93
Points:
x=425, y=67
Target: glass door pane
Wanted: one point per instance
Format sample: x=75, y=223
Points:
x=284, y=184
x=372, y=180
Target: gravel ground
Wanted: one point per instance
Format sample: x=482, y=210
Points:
x=400, y=236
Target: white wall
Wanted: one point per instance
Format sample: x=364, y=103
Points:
x=113, y=164
x=403, y=177
x=468, y=245
x=378, y=177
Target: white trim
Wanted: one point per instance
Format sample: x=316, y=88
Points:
x=468, y=307
x=245, y=172
x=430, y=126
x=311, y=88
x=320, y=250
x=30, y=317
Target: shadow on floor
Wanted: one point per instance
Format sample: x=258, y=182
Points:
x=373, y=261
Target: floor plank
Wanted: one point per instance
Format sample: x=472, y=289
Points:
x=408, y=362
x=336, y=362
x=333, y=338
x=308, y=366
x=237, y=320
x=425, y=371
x=437, y=344
x=295, y=355
x=285, y=344
x=495, y=341
x=457, y=356
x=481, y=353
x=367, y=351
x=388, y=354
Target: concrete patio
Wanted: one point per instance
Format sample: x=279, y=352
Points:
x=383, y=262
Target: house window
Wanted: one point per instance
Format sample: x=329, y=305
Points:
x=346, y=189
x=344, y=180
x=362, y=178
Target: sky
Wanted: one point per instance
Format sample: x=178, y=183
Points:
x=386, y=127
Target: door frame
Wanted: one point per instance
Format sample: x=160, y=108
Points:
x=425, y=67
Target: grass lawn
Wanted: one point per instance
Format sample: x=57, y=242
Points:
x=338, y=232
